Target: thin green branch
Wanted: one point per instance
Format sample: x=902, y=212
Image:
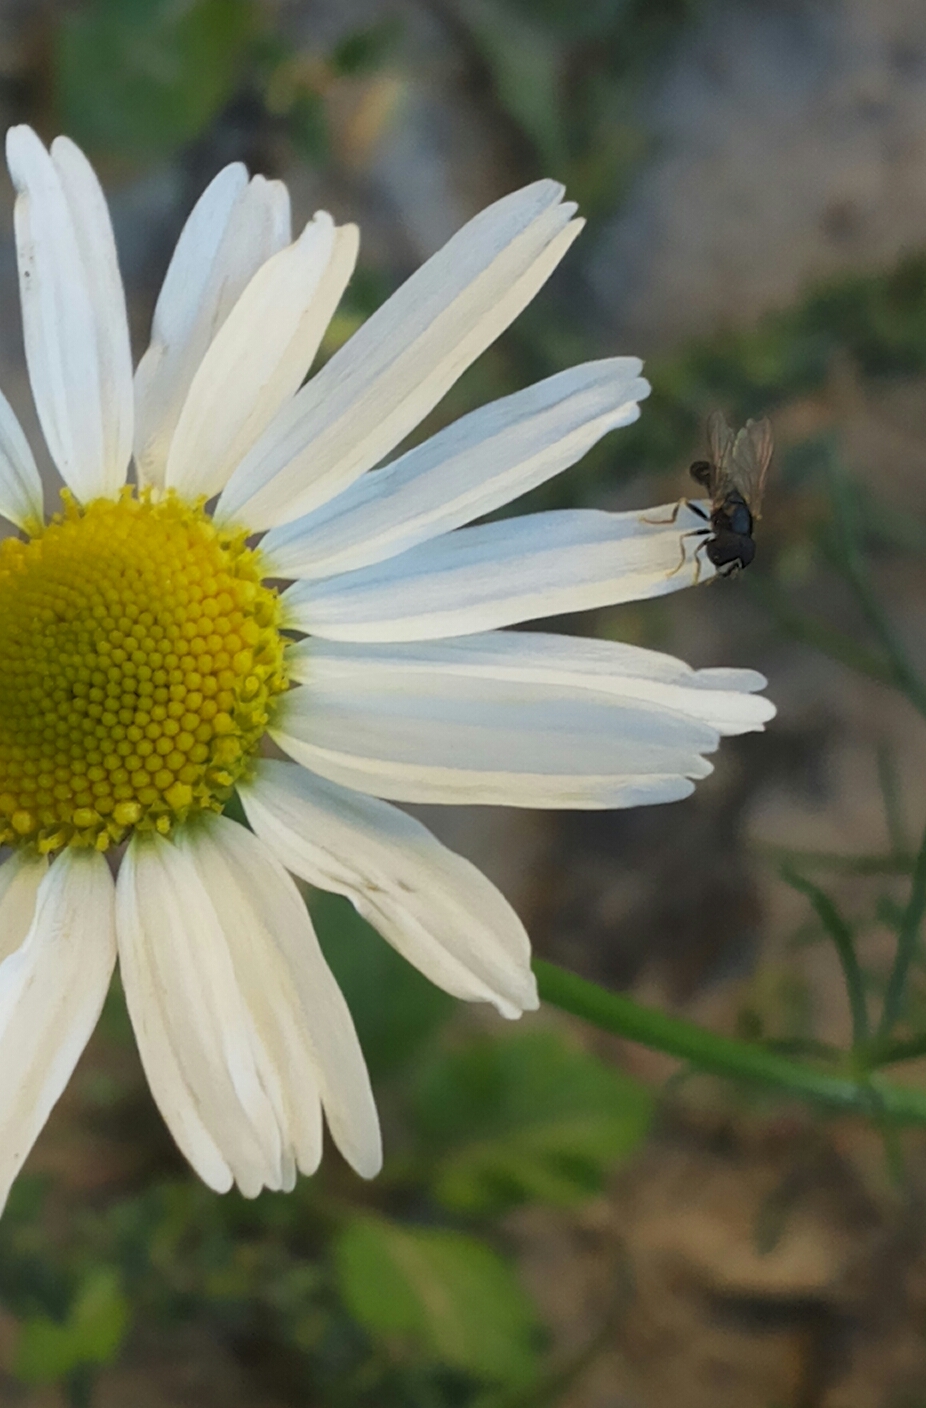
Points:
x=887, y=864
x=855, y=569
x=897, y=1051
x=840, y=931
x=726, y=1056
x=891, y=797
x=803, y=1046
x=905, y=677
x=907, y=939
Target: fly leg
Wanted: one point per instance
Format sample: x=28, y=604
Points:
x=692, y=532
x=667, y=522
x=698, y=558
x=704, y=533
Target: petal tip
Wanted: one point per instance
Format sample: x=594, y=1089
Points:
x=22, y=142
x=64, y=143
x=367, y=1163
x=528, y=1000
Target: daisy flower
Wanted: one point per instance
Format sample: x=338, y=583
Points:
x=149, y=655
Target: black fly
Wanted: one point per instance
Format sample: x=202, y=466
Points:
x=734, y=478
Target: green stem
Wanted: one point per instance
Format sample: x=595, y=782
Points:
x=893, y=806
x=905, y=676
x=724, y=1055
x=840, y=932
x=896, y=1051
x=907, y=937
x=856, y=570
x=888, y=864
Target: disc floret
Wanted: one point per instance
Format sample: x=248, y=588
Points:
x=141, y=655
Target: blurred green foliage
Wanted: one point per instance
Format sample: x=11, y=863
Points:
x=871, y=323
x=875, y=323
x=397, y=1292
x=136, y=79
x=525, y=1119
x=567, y=77
x=441, y=1293
x=141, y=76
x=91, y=1333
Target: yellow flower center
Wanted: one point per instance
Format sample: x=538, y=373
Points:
x=139, y=660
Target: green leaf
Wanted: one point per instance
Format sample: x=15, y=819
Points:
x=363, y=50
x=141, y=76
x=526, y=1118
x=394, y=1008
x=308, y=126
x=439, y=1292
x=93, y=1332
x=525, y=67
x=592, y=19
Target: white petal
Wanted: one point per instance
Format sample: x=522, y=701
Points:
x=482, y=461
x=74, y=319
x=233, y=229
x=284, y=1051
x=259, y=357
x=97, y=245
x=274, y=948
x=519, y=569
x=52, y=989
x=434, y=907
x=383, y=382
x=20, y=877
x=724, y=699
x=196, y=1036
x=20, y=482
x=440, y=736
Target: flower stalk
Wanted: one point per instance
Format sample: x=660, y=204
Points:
x=907, y=938
x=852, y=1090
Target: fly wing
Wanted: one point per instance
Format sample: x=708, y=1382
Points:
x=720, y=444
x=749, y=461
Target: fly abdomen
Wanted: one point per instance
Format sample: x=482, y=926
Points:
x=730, y=552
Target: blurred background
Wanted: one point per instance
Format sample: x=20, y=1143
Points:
x=564, y=1219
